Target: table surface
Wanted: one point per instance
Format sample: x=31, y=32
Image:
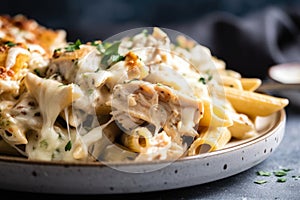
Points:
x=240, y=186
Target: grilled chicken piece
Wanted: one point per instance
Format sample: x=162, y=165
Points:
x=137, y=102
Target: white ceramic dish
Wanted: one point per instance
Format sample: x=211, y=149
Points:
x=95, y=178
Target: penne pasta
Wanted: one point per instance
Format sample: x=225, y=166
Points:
x=253, y=103
x=232, y=82
x=242, y=127
x=137, y=140
x=210, y=139
x=250, y=84
x=214, y=115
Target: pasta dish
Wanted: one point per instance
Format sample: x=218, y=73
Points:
x=142, y=97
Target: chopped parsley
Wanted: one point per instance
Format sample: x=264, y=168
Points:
x=202, y=80
x=73, y=46
x=10, y=44
x=260, y=182
x=281, y=180
x=264, y=173
x=205, y=80
x=209, y=77
x=99, y=46
x=90, y=91
x=111, y=55
x=57, y=50
x=70, y=48
x=37, y=72
x=68, y=146
x=280, y=173
x=145, y=32
x=44, y=144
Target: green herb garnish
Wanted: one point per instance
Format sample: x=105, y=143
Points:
x=209, y=77
x=264, y=173
x=202, y=80
x=10, y=44
x=57, y=50
x=111, y=55
x=281, y=180
x=90, y=91
x=73, y=46
x=44, y=144
x=286, y=169
x=37, y=72
x=206, y=79
x=100, y=47
x=145, y=32
x=280, y=173
x=68, y=146
x=260, y=181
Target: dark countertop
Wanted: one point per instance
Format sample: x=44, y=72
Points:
x=240, y=186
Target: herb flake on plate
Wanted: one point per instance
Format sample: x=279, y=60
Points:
x=281, y=180
x=260, y=182
x=264, y=173
x=280, y=173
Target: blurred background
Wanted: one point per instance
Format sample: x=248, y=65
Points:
x=248, y=35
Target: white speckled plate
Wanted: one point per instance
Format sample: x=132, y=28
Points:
x=95, y=178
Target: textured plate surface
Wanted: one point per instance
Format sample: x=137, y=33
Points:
x=95, y=178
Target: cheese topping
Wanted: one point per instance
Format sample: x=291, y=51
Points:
x=12, y=56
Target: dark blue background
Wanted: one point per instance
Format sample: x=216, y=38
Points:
x=250, y=35
x=91, y=19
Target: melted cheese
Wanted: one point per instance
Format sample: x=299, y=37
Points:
x=52, y=100
x=37, y=61
x=9, y=85
x=12, y=56
x=36, y=48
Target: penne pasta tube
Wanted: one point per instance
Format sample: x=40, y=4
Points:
x=210, y=139
x=230, y=81
x=214, y=115
x=242, y=127
x=250, y=84
x=253, y=103
x=137, y=140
